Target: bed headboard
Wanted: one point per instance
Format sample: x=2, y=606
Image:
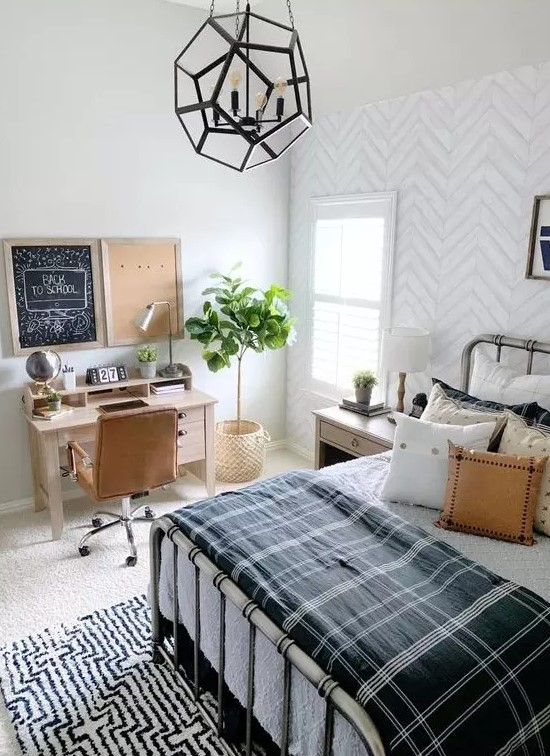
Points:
x=529, y=345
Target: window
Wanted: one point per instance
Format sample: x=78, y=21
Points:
x=350, y=289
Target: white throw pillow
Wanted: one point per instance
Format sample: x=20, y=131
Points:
x=442, y=409
x=420, y=458
x=491, y=380
x=518, y=438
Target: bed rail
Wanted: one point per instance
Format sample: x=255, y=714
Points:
x=529, y=345
x=335, y=696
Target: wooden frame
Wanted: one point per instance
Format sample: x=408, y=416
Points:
x=119, y=315
x=98, y=311
x=537, y=268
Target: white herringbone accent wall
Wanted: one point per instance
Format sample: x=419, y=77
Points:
x=466, y=162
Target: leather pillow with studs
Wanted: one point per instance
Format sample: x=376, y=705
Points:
x=419, y=461
x=492, y=495
x=519, y=438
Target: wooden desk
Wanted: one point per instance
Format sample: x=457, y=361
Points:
x=48, y=437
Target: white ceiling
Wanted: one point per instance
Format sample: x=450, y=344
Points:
x=222, y=6
x=361, y=51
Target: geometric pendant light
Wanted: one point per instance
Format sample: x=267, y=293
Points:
x=242, y=89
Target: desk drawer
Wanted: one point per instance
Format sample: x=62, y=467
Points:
x=191, y=442
x=190, y=415
x=81, y=435
x=351, y=442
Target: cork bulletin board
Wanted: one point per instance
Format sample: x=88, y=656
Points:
x=137, y=272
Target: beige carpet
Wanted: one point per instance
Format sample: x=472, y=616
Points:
x=44, y=583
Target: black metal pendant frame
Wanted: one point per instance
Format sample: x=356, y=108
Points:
x=216, y=119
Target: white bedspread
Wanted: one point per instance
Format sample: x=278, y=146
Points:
x=528, y=566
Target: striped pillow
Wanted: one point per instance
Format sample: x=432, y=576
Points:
x=531, y=411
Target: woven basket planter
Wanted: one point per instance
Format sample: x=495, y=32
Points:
x=240, y=450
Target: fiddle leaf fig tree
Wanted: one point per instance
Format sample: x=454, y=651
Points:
x=238, y=318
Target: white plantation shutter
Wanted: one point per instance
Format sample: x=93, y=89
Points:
x=350, y=289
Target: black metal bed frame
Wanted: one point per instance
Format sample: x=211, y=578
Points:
x=335, y=696
x=337, y=700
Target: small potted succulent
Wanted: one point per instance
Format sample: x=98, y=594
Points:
x=363, y=382
x=54, y=401
x=147, y=358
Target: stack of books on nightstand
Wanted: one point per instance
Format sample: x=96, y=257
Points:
x=369, y=410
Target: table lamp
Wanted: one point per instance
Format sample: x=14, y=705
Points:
x=404, y=350
x=143, y=321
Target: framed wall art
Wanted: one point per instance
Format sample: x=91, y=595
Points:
x=538, y=262
x=54, y=294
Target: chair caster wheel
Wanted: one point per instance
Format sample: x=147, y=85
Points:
x=148, y=512
x=97, y=522
x=131, y=561
x=84, y=550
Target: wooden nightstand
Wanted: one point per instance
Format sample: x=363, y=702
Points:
x=341, y=435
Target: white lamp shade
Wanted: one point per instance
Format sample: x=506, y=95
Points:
x=405, y=350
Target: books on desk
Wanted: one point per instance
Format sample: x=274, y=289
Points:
x=44, y=413
x=363, y=409
x=176, y=386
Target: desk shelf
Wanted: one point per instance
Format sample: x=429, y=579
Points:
x=84, y=395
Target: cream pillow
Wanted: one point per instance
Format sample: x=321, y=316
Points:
x=491, y=380
x=441, y=409
x=518, y=438
x=419, y=461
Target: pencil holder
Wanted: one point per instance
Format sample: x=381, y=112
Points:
x=69, y=380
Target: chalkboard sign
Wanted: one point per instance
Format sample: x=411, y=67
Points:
x=54, y=294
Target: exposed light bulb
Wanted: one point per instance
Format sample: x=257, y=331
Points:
x=261, y=100
x=280, y=85
x=235, y=78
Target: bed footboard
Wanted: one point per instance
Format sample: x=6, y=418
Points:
x=335, y=697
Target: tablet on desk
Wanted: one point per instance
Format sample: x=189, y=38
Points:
x=122, y=406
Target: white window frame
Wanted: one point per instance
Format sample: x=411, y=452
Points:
x=318, y=388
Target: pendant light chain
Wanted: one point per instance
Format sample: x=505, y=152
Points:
x=212, y=8
x=290, y=14
x=237, y=19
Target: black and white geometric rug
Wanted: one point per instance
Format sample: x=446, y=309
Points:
x=91, y=688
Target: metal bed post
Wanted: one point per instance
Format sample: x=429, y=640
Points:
x=175, y=609
x=285, y=728
x=221, y=657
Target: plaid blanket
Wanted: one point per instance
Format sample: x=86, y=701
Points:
x=447, y=657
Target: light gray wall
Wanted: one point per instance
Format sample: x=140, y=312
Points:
x=466, y=162
x=89, y=146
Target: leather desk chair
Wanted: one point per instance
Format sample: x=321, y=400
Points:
x=136, y=451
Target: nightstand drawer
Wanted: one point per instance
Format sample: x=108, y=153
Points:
x=191, y=442
x=351, y=442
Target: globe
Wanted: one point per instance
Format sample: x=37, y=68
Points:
x=43, y=367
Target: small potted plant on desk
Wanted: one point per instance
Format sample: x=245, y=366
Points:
x=363, y=382
x=147, y=358
x=54, y=401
